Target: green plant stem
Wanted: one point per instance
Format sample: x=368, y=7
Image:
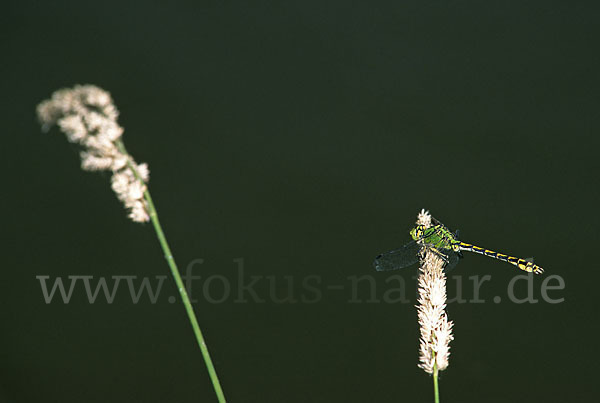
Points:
x=436, y=393
x=180, y=286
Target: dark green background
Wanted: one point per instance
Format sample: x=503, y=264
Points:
x=303, y=137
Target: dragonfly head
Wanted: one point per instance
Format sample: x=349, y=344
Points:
x=417, y=232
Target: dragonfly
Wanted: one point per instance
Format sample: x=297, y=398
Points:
x=446, y=244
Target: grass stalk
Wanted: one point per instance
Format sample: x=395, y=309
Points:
x=436, y=392
x=177, y=276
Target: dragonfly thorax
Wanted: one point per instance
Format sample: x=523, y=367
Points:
x=438, y=236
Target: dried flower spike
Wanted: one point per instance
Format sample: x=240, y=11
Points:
x=88, y=116
x=436, y=330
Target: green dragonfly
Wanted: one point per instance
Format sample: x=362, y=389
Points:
x=447, y=244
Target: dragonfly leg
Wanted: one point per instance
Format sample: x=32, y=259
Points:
x=441, y=255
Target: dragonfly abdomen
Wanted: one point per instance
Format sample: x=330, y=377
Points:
x=522, y=264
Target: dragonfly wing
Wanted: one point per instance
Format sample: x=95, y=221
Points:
x=435, y=221
x=399, y=258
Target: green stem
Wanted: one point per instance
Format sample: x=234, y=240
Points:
x=436, y=393
x=175, y=272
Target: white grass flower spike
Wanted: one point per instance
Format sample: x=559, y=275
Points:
x=88, y=117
